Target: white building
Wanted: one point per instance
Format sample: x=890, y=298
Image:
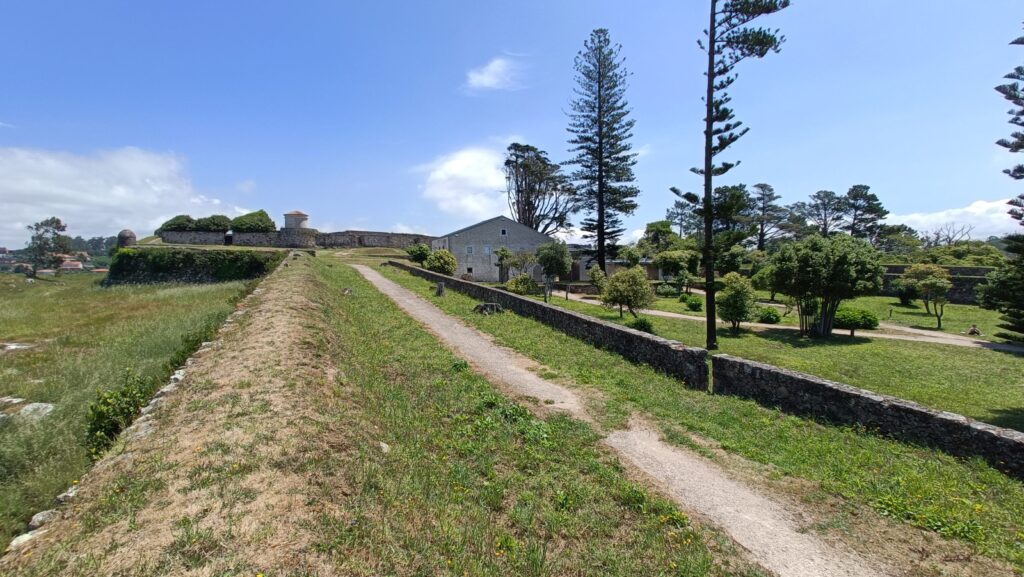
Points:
x=475, y=246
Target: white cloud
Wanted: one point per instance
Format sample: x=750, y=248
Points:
x=407, y=229
x=96, y=194
x=642, y=151
x=5, y=125
x=988, y=217
x=467, y=183
x=501, y=73
x=635, y=235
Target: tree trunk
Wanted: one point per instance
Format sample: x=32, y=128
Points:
x=620, y=311
x=709, y=217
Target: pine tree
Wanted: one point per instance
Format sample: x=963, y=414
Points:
x=539, y=195
x=769, y=215
x=827, y=211
x=864, y=211
x=727, y=41
x=600, y=133
x=1012, y=91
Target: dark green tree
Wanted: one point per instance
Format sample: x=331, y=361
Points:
x=680, y=214
x=896, y=239
x=659, y=237
x=601, y=129
x=214, y=223
x=1012, y=92
x=728, y=40
x=47, y=243
x=539, y=195
x=179, y=223
x=418, y=252
x=1004, y=291
x=769, y=216
x=864, y=212
x=820, y=272
x=554, y=258
x=258, y=221
x=827, y=211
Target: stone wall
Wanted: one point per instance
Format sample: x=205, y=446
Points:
x=254, y=239
x=670, y=357
x=359, y=238
x=191, y=237
x=803, y=394
x=296, y=238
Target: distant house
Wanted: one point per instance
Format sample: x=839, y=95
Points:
x=475, y=246
x=71, y=266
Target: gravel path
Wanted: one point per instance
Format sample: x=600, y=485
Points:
x=891, y=332
x=763, y=526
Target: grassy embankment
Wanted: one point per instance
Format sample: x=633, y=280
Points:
x=85, y=337
x=979, y=383
x=962, y=499
x=472, y=483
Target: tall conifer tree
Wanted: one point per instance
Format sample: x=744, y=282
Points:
x=769, y=214
x=727, y=41
x=864, y=212
x=600, y=133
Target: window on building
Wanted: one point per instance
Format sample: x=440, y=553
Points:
x=469, y=270
x=487, y=250
x=504, y=232
x=469, y=250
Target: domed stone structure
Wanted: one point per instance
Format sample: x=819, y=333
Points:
x=126, y=238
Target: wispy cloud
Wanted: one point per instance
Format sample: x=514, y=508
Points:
x=247, y=186
x=501, y=73
x=988, y=217
x=5, y=125
x=97, y=194
x=468, y=182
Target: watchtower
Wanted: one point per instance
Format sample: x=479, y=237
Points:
x=296, y=219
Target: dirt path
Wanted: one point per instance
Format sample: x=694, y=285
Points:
x=763, y=526
x=888, y=331
x=212, y=480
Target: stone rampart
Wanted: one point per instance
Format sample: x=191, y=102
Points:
x=254, y=239
x=670, y=357
x=803, y=394
x=359, y=238
x=191, y=237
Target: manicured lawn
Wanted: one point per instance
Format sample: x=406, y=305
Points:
x=979, y=383
x=85, y=338
x=962, y=499
x=473, y=483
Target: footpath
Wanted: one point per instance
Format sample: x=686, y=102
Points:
x=768, y=528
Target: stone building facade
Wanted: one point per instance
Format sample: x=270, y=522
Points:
x=475, y=246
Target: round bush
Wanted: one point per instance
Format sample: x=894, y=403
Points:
x=214, y=223
x=258, y=221
x=769, y=315
x=522, y=285
x=665, y=290
x=442, y=262
x=853, y=319
x=692, y=302
x=642, y=324
x=180, y=223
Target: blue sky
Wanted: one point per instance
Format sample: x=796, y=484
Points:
x=394, y=115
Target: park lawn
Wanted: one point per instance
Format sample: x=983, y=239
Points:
x=979, y=383
x=85, y=338
x=962, y=499
x=473, y=483
x=956, y=318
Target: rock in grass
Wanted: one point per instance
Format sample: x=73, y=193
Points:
x=41, y=518
x=23, y=539
x=67, y=495
x=35, y=411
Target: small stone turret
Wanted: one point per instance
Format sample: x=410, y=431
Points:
x=296, y=219
x=126, y=238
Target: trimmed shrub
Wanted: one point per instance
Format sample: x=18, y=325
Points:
x=442, y=262
x=628, y=288
x=643, y=324
x=905, y=291
x=258, y=221
x=853, y=319
x=522, y=284
x=597, y=277
x=736, y=302
x=693, y=302
x=665, y=290
x=768, y=315
x=418, y=253
x=161, y=264
x=180, y=223
x=214, y=223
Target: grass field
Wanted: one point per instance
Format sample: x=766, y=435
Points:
x=85, y=337
x=474, y=484
x=959, y=499
x=979, y=383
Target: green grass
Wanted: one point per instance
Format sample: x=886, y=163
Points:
x=85, y=337
x=961, y=499
x=474, y=484
x=979, y=383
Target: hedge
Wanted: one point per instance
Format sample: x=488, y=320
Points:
x=159, y=264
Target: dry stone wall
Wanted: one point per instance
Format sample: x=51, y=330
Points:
x=192, y=237
x=358, y=238
x=670, y=357
x=254, y=239
x=803, y=394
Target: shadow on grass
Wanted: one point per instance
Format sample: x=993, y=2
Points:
x=1008, y=418
x=793, y=338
